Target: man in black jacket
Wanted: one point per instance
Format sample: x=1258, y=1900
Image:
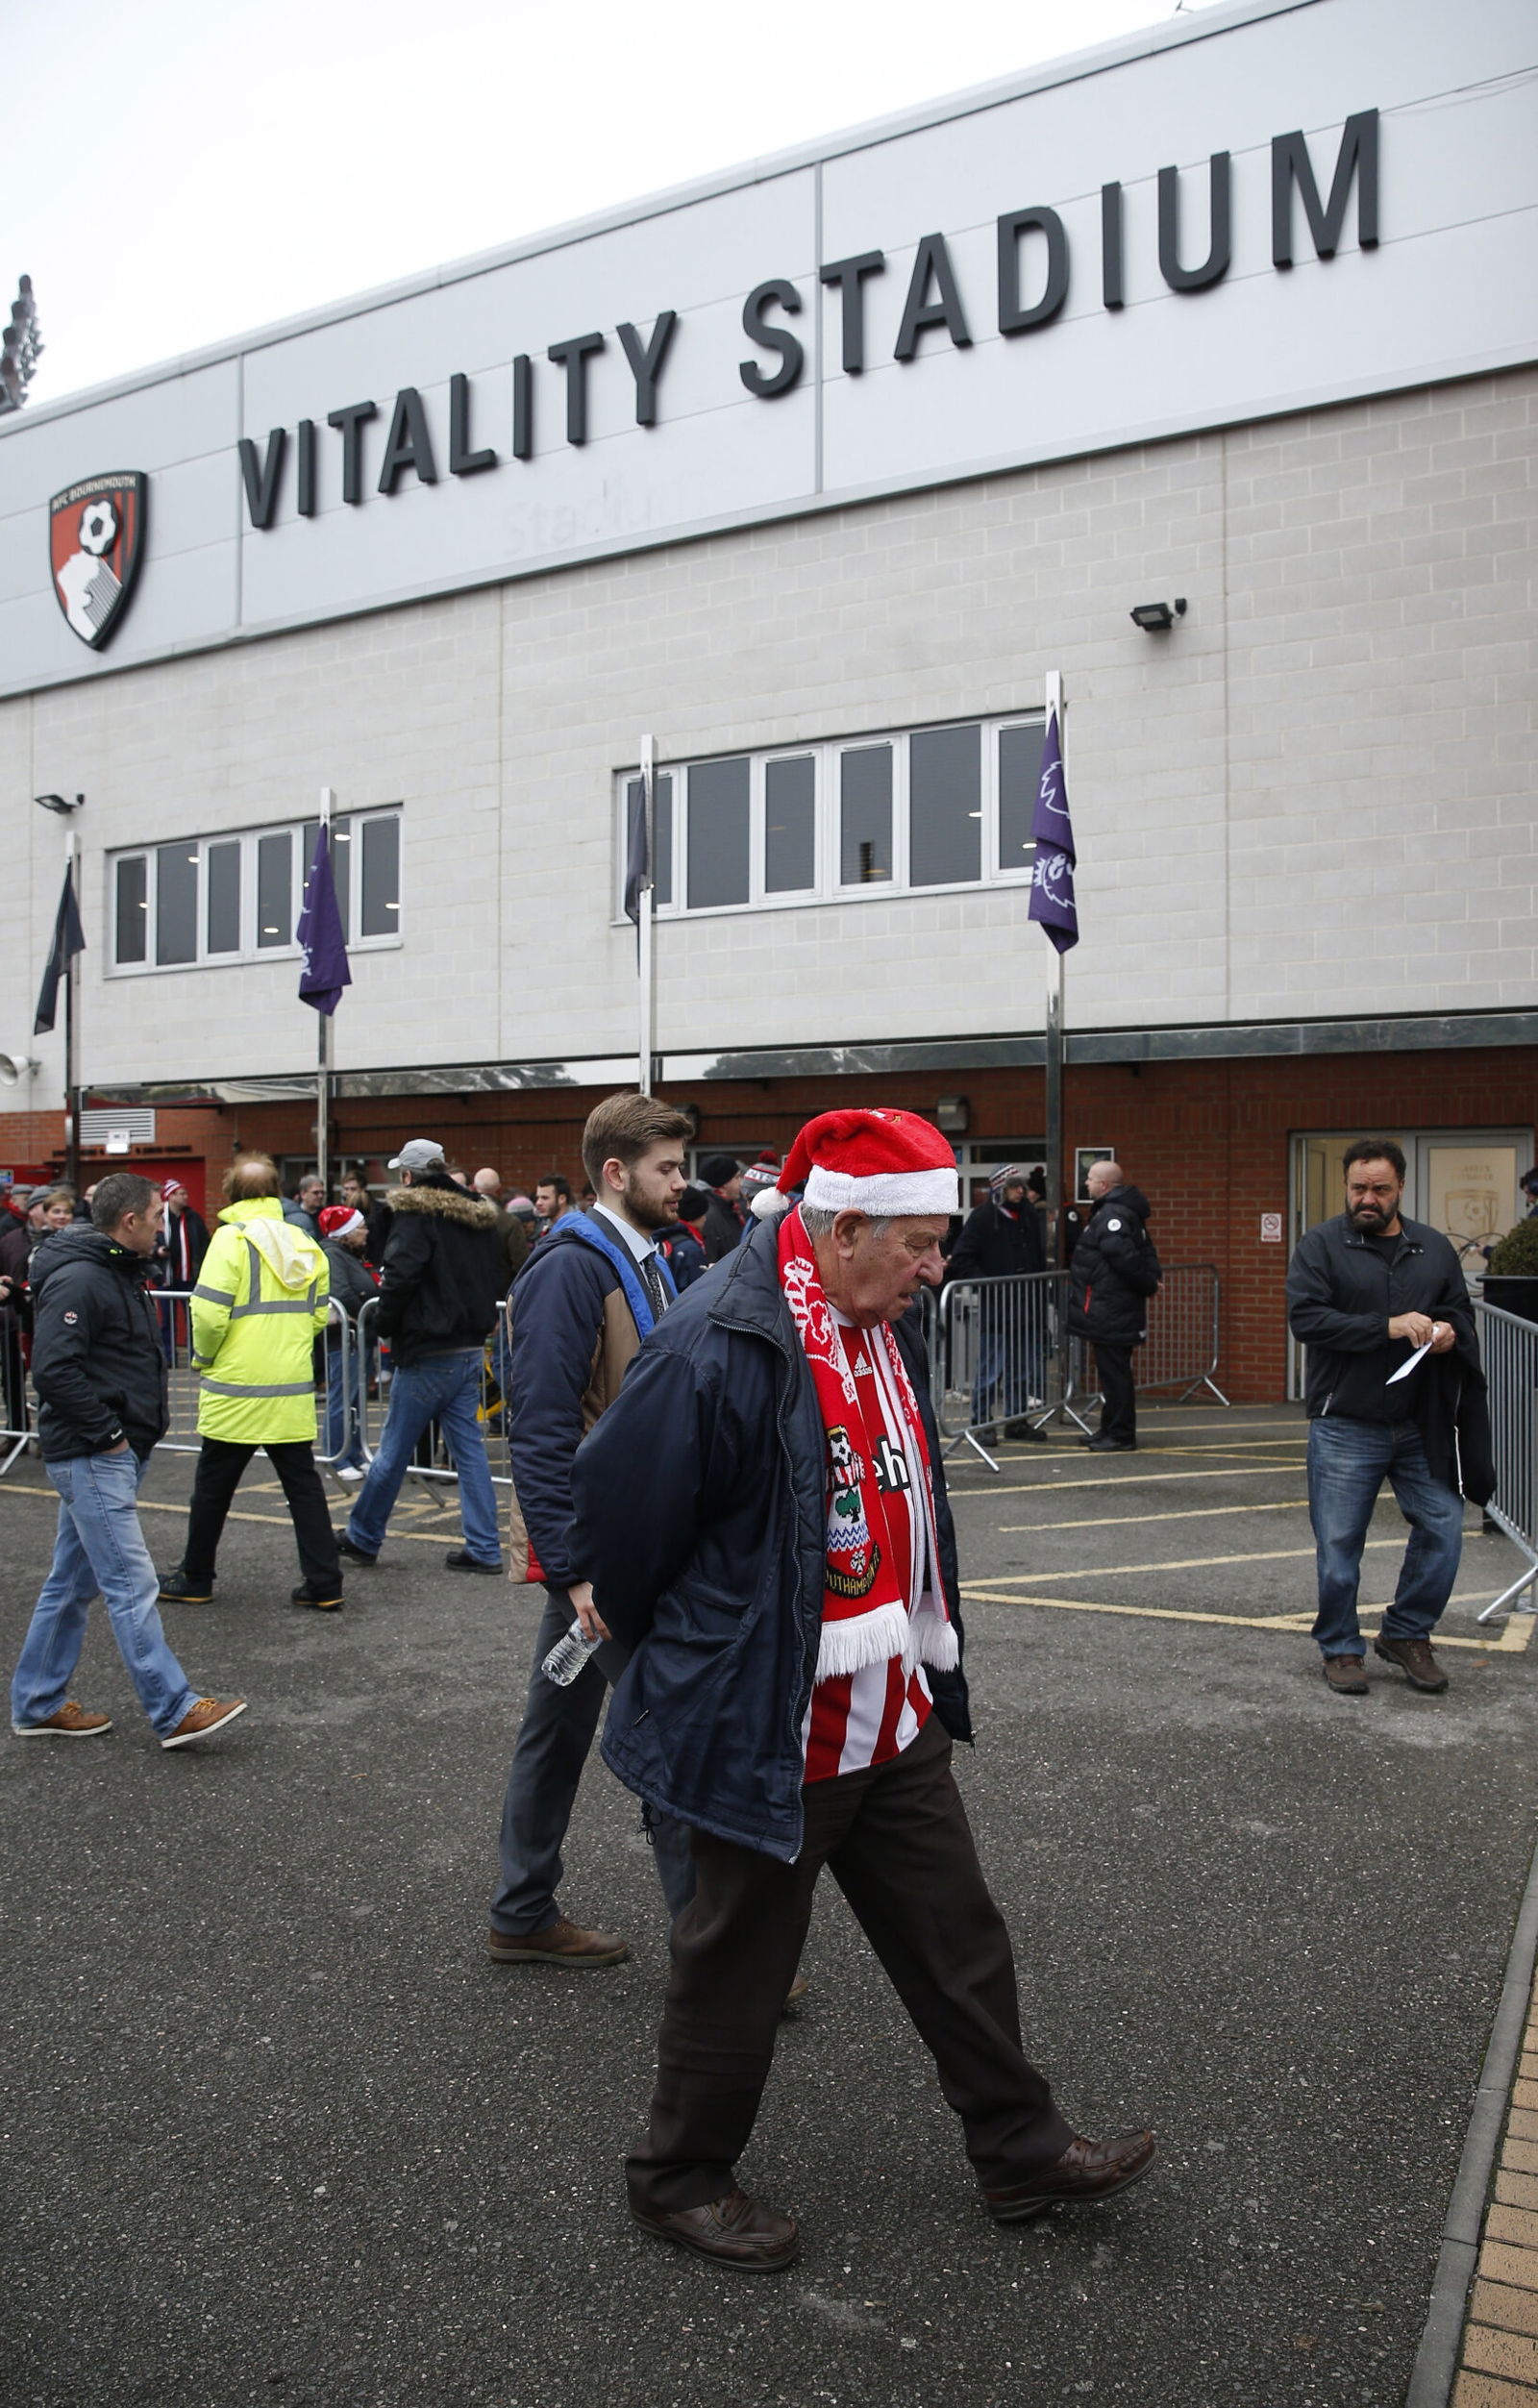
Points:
x=441, y=1287
x=1376, y=1299
x=1113, y=1273
x=100, y=1377
x=1003, y=1240
x=762, y=1516
x=721, y=1178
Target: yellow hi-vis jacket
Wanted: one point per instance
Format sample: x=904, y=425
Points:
x=262, y=1292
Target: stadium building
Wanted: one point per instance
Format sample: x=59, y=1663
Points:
x=1197, y=370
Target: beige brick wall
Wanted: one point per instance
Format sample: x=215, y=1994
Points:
x=1313, y=797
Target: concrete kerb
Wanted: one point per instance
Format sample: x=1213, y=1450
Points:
x=1436, y=2361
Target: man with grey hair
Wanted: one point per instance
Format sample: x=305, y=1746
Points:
x=761, y=1516
x=100, y=1377
x=1114, y=1272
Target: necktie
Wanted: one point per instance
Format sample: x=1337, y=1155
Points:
x=655, y=1289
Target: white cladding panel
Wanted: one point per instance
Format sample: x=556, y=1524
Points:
x=1447, y=292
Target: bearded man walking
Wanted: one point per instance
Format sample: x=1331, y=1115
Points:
x=762, y=1516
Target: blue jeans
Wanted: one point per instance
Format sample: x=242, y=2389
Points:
x=337, y=1404
x=444, y=1388
x=100, y=1549
x=1348, y=1464
x=551, y=1747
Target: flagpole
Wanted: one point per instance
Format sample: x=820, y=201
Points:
x=1054, y=1035
x=328, y=800
x=71, y=1114
x=644, y=950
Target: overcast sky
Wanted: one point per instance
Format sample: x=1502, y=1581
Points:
x=182, y=171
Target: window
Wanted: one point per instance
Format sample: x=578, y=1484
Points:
x=238, y=898
x=909, y=813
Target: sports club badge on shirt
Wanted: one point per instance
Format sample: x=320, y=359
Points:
x=853, y=1556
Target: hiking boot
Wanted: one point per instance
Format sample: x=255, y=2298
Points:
x=1415, y=1660
x=560, y=1943
x=176, y=1589
x=202, y=1718
x=71, y=1721
x=1345, y=1675
x=354, y=1554
x=326, y=1600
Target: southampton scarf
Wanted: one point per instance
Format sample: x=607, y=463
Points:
x=867, y=1619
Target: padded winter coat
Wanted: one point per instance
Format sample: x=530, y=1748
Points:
x=1114, y=1272
x=96, y=1358
x=701, y=1521
x=444, y=1273
x=261, y=1295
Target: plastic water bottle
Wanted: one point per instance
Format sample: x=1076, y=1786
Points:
x=567, y=1656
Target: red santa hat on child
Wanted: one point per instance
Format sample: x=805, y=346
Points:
x=879, y=1162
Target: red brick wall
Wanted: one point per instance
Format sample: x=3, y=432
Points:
x=1207, y=1140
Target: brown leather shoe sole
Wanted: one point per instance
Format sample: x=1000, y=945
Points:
x=1021, y=2211
x=720, y=2253
x=504, y=1950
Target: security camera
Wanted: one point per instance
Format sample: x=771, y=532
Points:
x=18, y=1066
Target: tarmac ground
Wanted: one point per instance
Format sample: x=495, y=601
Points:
x=276, y=2130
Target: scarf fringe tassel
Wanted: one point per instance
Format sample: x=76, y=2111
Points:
x=875, y=1638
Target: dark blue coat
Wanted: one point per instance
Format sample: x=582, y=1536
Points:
x=701, y=1519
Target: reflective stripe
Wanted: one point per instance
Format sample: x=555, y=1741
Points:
x=215, y=1295
x=243, y=1312
x=237, y=1388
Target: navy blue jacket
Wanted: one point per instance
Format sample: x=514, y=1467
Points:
x=573, y=1332
x=701, y=1519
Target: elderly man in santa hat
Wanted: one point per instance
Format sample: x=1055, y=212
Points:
x=762, y=1518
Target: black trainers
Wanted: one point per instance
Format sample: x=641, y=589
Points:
x=176, y=1589
x=461, y=1559
x=326, y=1600
x=354, y=1554
x=1021, y=1428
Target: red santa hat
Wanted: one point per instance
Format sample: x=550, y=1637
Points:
x=879, y=1162
x=339, y=1221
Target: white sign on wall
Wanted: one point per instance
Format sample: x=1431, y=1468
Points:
x=1232, y=215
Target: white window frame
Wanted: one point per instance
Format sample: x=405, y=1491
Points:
x=248, y=951
x=826, y=754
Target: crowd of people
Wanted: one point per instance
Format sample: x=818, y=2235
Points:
x=726, y=1475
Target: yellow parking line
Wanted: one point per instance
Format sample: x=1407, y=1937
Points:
x=1181, y=1513
x=1128, y=1479
x=1514, y=1640
x=270, y=1521
x=1186, y=1563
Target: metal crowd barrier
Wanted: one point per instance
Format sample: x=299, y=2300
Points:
x=15, y=1403
x=431, y=1462
x=1000, y=1351
x=1509, y=1348
x=173, y=1307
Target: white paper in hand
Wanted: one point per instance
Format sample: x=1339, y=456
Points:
x=1406, y=1369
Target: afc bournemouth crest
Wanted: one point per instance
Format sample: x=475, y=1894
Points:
x=96, y=541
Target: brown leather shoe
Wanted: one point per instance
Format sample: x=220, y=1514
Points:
x=1345, y=1675
x=560, y=1943
x=1415, y=1660
x=71, y=1721
x=1086, y=2173
x=735, y=2231
x=203, y=1718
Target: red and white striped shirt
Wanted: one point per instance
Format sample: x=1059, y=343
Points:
x=860, y=1719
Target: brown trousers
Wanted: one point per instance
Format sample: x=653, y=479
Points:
x=898, y=1842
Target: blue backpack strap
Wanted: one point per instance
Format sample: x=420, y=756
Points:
x=580, y=1226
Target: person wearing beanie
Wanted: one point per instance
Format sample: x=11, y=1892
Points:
x=721, y=1178
x=1002, y=1240
x=682, y=1246
x=761, y=1513
x=344, y=1243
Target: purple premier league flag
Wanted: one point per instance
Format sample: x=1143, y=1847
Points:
x=1051, y=884
x=326, y=969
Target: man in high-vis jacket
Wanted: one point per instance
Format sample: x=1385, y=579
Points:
x=262, y=1294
